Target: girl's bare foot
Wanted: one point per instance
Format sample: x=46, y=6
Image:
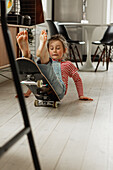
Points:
x=22, y=40
x=27, y=94
x=42, y=51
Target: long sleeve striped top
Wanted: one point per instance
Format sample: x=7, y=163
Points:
x=69, y=70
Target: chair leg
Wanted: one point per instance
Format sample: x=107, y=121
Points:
x=95, y=54
x=70, y=55
x=103, y=52
x=108, y=58
x=74, y=56
x=78, y=54
x=105, y=55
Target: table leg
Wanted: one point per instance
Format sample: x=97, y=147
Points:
x=88, y=66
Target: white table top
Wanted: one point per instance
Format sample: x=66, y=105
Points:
x=81, y=24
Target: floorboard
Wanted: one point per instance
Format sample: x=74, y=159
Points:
x=75, y=136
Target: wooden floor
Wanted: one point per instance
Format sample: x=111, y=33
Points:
x=78, y=135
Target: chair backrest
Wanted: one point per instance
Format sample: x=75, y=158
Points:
x=62, y=30
x=108, y=35
x=52, y=27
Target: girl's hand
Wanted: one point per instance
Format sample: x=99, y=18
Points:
x=85, y=98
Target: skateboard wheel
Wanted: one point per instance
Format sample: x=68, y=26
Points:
x=36, y=103
x=55, y=104
x=40, y=83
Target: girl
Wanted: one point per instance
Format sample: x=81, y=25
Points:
x=52, y=63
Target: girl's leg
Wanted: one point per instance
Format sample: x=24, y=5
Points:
x=22, y=40
x=47, y=70
x=42, y=50
x=27, y=94
x=46, y=67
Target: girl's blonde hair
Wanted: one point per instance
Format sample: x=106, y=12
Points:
x=60, y=38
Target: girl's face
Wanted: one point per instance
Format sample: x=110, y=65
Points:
x=56, y=50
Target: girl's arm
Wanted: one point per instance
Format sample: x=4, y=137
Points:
x=79, y=86
x=78, y=82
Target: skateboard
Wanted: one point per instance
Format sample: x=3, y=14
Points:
x=31, y=75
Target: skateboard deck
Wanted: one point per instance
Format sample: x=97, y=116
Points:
x=31, y=75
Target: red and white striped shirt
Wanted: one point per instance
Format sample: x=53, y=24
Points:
x=69, y=70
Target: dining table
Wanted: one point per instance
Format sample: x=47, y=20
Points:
x=89, y=29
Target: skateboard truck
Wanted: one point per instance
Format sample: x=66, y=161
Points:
x=39, y=83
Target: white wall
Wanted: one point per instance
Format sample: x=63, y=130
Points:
x=111, y=11
x=97, y=12
x=68, y=10
x=48, y=9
